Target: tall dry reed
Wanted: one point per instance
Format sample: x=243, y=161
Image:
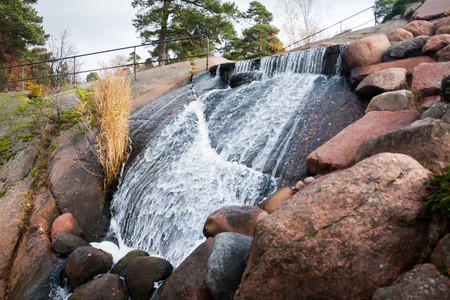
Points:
x=111, y=108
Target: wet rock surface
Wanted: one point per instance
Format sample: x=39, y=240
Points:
x=142, y=273
x=298, y=251
x=238, y=219
x=188, y=280
x=244, y=78
x=121, y=266
x=107, y=287
x=85, y=263
x=65, y=243
x=226, y=263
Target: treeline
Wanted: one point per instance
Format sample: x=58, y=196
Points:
x=23, y=39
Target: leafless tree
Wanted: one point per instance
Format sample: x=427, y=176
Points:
x=61, y=46
x=301, y=18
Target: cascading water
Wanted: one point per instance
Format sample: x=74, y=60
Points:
x=206, y=148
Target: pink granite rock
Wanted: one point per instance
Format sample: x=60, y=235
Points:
x=399, y=34
x=427, y=78
x=422, y=282
x=66, y=223
x=343, y=237
x=436, y=43
x=237, y=219
x=431, y=9
x=366, y=51
x=358, y=74
x=418, y=28
x=382, y=81
x=443, y=54
x=272, y=203
x=430, y=101
x=441, y=254
x=442, y=22
x=338, y=152
x=443, y=30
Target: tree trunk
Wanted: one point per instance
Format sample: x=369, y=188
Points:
x=163, y=33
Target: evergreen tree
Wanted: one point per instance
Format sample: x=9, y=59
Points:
x=20, y=28
x=170, y=19
x=260, y=39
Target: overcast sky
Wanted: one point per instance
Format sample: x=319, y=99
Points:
x=97, y=25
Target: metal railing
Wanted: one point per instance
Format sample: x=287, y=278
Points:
x=331, y=26
x=134, y=64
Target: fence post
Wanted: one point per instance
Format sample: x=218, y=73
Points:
x=74, y=72
x=135, y=76
x=207, y=53
x=340, y=23
x=22, y=77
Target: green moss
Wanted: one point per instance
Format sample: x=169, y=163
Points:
x=312, y=234
x=440, y=199
x=54, y=146
x=26, y=137
x=3, y=193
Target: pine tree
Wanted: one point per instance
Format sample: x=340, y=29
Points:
x=171, y=19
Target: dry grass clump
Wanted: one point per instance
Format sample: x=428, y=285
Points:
x=111, y=109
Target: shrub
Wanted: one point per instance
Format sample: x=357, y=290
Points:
x=440, y=199
x=111, y=109
x=92, y=77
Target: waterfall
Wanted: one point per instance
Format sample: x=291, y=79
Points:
x=205, y=148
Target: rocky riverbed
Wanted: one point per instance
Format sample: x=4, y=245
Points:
x=356, y=229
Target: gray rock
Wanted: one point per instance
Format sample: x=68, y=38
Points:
x=441, y=255
x=405, y=49
x=226, y=264
x=423, y=122
x=422, y=282
x=107, y=287
x=121, y=266
x=141, y=274
x=85, y=263
x=387, y=80
x=244, y=77
x=65, y=243
x=436, y=111
x=410, y=9
x=391, y=101
x=445, y=89
x=446, y=117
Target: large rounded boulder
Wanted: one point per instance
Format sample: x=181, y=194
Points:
x=391, y=101
x=226, y=263
x=366, y=51
x=121, y=266
x=65, y=243
x=142, y=273
x=420, y=28
x=107, y=287
x=84, y=263
x=66, y=223
x=343, y=237
x=382, y=81
x=188, y=281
